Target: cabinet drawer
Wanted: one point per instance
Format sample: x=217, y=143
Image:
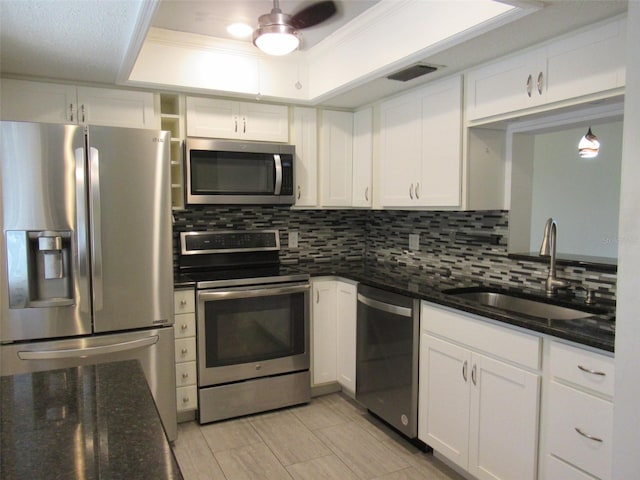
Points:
x=185, y=374
x=497, y=341
x=571, y=410
x=557, y=469
x=185, y=349
x=184, y=301
x=584, y=368
x=185, y=325
x=187, y=398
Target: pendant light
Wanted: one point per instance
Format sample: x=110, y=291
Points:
x=589, y=145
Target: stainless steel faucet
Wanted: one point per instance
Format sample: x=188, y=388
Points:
x=548, y=249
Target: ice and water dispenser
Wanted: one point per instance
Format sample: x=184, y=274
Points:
x=39, y=268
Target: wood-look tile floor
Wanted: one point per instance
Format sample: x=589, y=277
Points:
x=329, y=438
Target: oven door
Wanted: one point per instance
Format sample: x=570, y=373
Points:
x=251, y=332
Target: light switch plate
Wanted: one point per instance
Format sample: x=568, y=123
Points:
x=293, y=239
x=414, y=241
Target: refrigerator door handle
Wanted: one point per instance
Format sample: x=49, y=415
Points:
x=82, y=220
x=87, y=351
x=96, y=230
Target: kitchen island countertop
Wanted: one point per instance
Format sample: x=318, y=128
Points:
x=91, y=422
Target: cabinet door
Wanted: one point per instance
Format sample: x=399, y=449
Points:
x=116, y=108
x=346, y=303
x=441, y=134
x=444, y=393
x=503, y=432
x=506, y=86
x=590, y=62
x=38, y=102
x=262, y=122
x=362, y=158
x=336, y=159
x=305, y=137
x=399, y=151
x=207, y=117
x=324, y=331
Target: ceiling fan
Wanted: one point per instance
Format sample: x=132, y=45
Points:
x=277, y=32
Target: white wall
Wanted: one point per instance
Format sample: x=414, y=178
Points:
x=626, y=429
x=564, y=183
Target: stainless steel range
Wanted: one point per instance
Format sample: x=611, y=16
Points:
x=252, y=320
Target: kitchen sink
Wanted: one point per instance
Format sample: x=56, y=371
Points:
x=518, y=304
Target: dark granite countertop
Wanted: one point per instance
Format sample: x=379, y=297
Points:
x=89, y=422
x=597, y=331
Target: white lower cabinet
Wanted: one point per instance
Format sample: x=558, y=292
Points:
x=333, y=313
x=579, y=420
x=185, y=351
x=478, y=405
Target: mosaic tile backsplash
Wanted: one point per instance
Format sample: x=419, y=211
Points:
x=452, y=244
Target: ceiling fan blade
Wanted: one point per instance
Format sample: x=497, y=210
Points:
x=313, y=14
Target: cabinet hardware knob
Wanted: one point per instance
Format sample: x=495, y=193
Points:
x=464, y=370
x=183, y=303
x=473, y=374
x=540, y=83
x=185, y=399
x=592, y=372
x=529, y=86
x=590, y=437
x=184, y=326
x=185, y=375
x=411, y=191
x=184, y=351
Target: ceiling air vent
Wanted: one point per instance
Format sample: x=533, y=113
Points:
x=414, y=71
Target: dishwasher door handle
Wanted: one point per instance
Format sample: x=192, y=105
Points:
x=385, y=307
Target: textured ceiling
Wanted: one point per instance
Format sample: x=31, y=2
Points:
x=66, y=39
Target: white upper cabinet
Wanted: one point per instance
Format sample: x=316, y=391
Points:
x=420, y=147
x=305, y=138
x=362, y=157
x=53, y=103
x=214, y=118
x=117, y=108
x=336, y=158
x=589, y=62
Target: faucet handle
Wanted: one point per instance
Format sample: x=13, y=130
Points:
x=590, y=295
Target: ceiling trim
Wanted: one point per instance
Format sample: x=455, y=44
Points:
x=146, y=12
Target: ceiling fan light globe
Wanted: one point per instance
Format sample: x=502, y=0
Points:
x=276, y=39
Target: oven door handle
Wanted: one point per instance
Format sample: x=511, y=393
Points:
x=247, y=293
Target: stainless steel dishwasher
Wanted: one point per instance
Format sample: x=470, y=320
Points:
x=387, y=357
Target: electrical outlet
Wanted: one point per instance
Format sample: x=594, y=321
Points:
x=293, y=239
x=414, y=241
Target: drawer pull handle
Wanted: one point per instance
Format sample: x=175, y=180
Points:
x=464, y=370
x=590, y=437
x=592, y=372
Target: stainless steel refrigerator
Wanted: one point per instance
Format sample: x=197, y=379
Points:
x=86, y=255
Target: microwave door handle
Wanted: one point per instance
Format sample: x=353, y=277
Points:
x=278, y=164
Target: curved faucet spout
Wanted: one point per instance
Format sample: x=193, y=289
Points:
x=548, y=249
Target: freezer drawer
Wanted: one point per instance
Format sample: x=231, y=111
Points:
x=154, y=349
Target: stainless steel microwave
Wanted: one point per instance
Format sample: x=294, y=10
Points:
x=231, y=172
